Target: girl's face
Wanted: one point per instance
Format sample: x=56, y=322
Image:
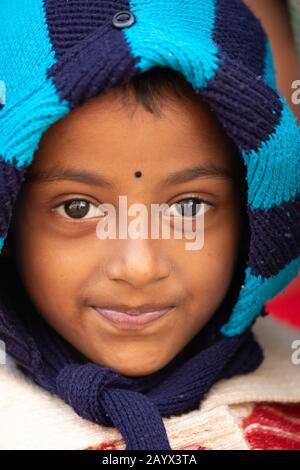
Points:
x=91, y=155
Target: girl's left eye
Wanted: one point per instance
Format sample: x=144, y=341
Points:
x=79, y=209
x=189, y=207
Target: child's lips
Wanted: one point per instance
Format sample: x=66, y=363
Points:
x=135, y=320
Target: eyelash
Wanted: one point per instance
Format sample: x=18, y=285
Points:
x=78, y=220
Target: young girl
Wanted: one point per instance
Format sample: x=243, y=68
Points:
x=116, y=340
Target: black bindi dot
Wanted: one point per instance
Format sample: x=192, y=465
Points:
x=138, y=174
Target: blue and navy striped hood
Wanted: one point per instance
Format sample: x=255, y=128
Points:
x=55, y=55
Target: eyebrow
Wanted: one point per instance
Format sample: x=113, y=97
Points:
x=68, y=174
x=199, y=171
x=83, y=176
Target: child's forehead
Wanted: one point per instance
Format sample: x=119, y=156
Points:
x=102, y=133
x=110, y=112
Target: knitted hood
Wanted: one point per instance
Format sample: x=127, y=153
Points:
x=55, y=55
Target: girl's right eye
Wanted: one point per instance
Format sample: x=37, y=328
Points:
x=79, y=209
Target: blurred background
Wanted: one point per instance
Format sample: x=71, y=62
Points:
x=281, y=21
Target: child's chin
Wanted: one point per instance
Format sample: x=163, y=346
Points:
x=133, y=368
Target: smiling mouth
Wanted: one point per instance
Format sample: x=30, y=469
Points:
x=136, y=319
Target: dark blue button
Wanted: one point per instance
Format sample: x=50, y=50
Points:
x=123, y=19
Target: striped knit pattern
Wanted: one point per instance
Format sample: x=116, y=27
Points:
x=56, y=55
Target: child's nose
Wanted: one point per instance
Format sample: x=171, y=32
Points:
x=137, y=262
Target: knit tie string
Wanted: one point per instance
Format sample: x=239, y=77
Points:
x=96, y=394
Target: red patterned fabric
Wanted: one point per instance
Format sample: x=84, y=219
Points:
x=286, y=307
x=273, y=427
x=106, y=446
